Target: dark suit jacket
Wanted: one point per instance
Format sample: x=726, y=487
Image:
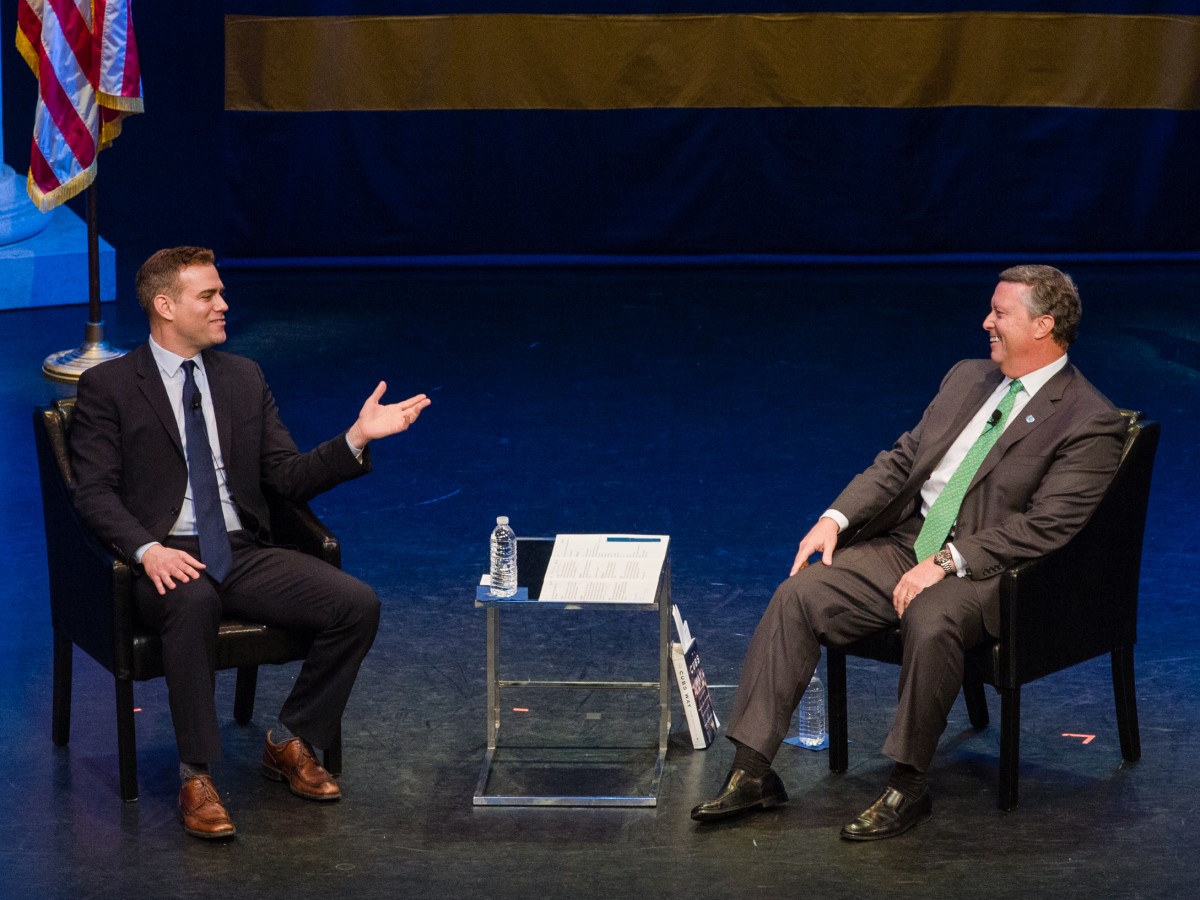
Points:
x=1035, y=489
x=130, y=469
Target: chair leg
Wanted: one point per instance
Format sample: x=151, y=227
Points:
x=126, y=740
x=333, y=754
x=243, y=696
x=835, y=693
x=976, y=700
x=1010, y=746
x=60, y=724
x=1126, y=697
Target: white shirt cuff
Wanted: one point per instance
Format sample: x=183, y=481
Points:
x=842, y=522
x=960, y=564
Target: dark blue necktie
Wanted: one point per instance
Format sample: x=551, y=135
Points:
x=210, y=521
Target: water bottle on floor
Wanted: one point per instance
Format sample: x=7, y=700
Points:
x=503, y=559
x=810, y=716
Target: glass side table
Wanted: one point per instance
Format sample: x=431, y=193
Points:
x=533, y=556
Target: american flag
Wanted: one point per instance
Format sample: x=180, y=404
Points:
x=85, y=57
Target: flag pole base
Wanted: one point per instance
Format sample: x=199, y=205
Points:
x=67, y=365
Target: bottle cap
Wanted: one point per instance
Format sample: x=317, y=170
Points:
x=501, y=520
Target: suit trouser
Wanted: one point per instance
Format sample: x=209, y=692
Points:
x=273, y=586
x=839, y=604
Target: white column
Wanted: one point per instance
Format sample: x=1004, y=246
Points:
x=19, y=218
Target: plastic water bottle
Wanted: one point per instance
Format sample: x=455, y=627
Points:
x=811, y=731
x=503, y=559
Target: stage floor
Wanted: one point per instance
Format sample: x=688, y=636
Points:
x=724, y=407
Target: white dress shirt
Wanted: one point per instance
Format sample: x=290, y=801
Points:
x=170, y=368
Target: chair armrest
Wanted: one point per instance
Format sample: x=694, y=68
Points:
x=294, y=525
x=1060, y=610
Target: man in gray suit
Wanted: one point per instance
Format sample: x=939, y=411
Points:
x=174, y=447
x=1007, y=463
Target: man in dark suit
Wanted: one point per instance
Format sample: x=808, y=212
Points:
x=1007, y=463
x=173, y=447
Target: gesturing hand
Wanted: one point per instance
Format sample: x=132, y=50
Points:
x=377, y=420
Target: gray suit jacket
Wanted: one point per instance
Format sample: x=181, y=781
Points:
x=128, y=460
x=1035, y=489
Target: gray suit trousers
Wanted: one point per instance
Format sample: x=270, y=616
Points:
x=839, y=604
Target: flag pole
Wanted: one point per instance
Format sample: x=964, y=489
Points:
x=67, y=365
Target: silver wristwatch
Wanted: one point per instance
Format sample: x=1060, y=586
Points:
x=945, y=559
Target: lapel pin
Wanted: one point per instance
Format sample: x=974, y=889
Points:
x=1029, y=419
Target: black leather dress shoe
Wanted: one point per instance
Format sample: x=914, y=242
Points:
x=742, y=794
x=890, y=815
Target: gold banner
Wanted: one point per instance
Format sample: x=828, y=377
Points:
x=309, y=64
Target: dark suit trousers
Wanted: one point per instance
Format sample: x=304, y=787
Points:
x=838, y=604
x=272, y=586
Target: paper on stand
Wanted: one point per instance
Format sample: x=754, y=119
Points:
x=605, y=568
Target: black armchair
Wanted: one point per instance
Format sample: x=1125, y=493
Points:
x=91, y=604
x=1073, y=605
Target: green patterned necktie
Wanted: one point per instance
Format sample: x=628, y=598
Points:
x=944, y=510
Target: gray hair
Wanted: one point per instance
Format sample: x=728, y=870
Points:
x=1051, y=293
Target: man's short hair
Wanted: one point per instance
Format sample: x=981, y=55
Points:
x=160, y=273
x=1051, y=293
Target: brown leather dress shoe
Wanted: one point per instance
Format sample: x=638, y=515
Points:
x=201, y=810
x=294, y=763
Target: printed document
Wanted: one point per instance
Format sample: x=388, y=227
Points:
x=605, y=568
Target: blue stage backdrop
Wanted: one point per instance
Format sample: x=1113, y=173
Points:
x=576, y=128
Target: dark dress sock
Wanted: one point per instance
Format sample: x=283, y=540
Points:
x=755, y=764
x=908, y=781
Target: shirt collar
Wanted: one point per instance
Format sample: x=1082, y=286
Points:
x=168, y=362
x=1036, y=380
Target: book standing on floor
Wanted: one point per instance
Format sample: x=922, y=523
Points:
x=693, y=686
